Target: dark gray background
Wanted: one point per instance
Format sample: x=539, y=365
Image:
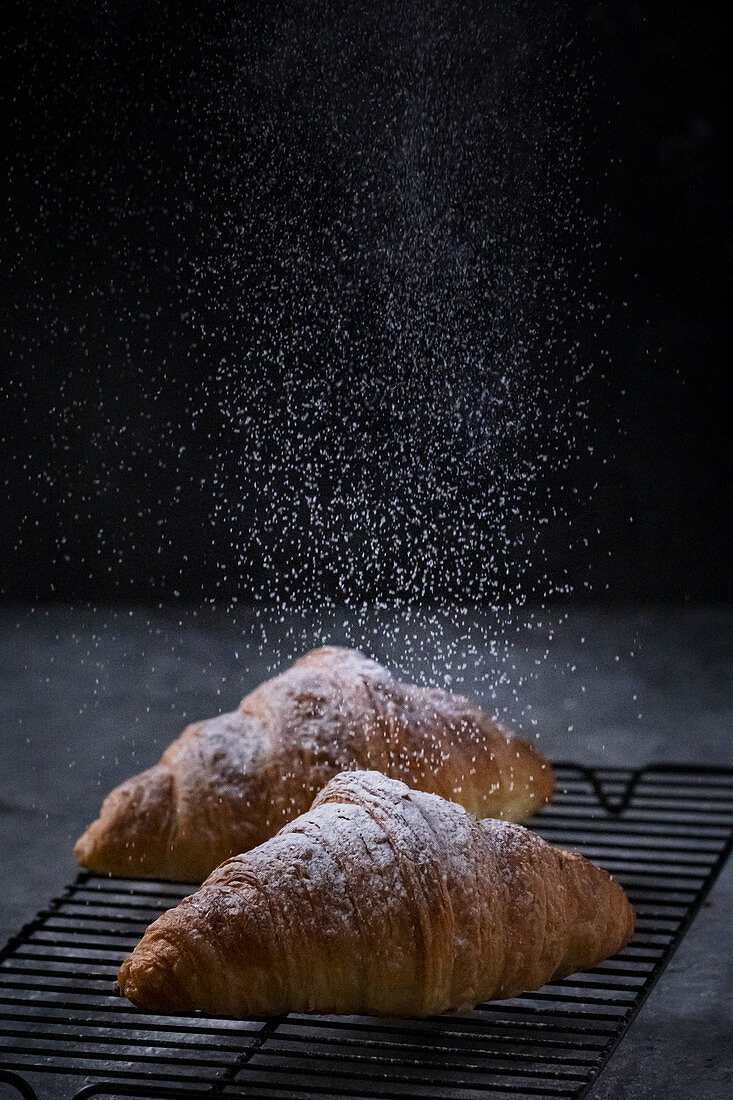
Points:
x=115, y=194
x=129, y=164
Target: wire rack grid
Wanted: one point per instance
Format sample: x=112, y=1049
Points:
x=664, y=832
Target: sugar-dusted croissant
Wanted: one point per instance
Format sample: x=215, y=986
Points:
x=380, y=900
x=228, y=784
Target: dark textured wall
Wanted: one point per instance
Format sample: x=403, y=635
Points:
x=121, y=192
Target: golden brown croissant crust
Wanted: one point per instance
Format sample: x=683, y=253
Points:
x=379, y=900
x=227, y=784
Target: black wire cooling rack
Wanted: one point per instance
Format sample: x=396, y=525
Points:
x=663, y=832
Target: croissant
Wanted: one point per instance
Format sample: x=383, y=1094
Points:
x=227, y=784
x=379, y=900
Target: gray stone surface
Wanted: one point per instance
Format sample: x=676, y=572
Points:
x=90, y=696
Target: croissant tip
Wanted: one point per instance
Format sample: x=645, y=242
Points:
x=81, y=850
x=116, y=989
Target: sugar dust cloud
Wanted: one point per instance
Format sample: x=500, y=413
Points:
x=401, y=383
x=348, y=280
